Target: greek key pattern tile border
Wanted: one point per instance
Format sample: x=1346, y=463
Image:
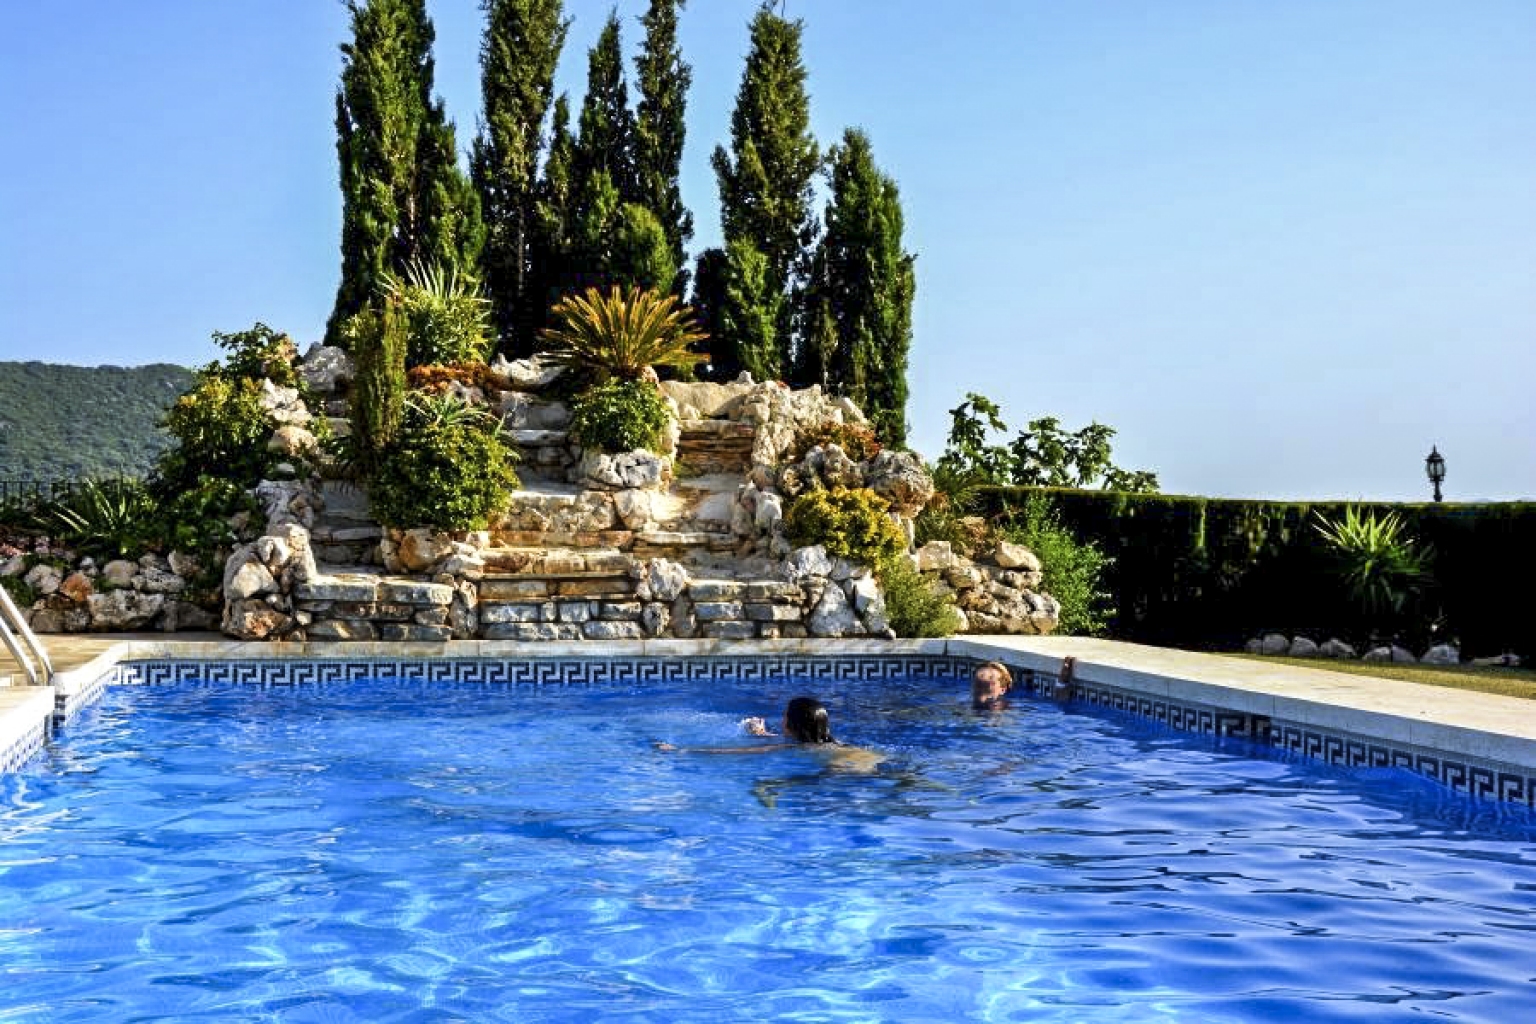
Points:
x=1469, y=778
x=569, y=672
x=24, y=747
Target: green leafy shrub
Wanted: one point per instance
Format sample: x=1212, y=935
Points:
x=914, y=606
x=448, y=319
x=104, y=518
x=857, y=441
x=446, y=468
x=220, y=425
x=20, y=590
x=620, y=416
x=849, y=522
x=255, y=354
x=1072, y=570
x=206, y=521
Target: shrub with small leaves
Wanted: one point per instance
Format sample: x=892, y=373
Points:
x=256, y=354
x=620, y=416
x=448, y=318
x=445, y=469
x=914, y=605
x=850, y=523
x=220, y=425
x=1073, y=570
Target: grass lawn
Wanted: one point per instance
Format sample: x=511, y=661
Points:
x=1511, y=682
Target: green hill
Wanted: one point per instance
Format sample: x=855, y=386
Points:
x=68, y=422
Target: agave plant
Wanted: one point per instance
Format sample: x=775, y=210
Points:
x=445, y=411
x=108, y=518
x=1379, y=563
x=622, y=334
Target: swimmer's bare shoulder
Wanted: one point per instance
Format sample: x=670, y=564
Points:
x=859, y=760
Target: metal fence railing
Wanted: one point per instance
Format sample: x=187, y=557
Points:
x=22, y=490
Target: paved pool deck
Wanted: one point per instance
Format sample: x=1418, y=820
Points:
x=1473, y=727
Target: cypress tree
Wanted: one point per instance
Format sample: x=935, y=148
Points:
x=403, y=195
x=607, y=126
x=766, y=178
x=751, y=312
x=662, y=79
x=859, y=300
x=518, y=55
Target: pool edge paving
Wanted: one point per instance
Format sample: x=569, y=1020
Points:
x=1481, y=745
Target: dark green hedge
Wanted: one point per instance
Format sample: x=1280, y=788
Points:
x=1211, y=572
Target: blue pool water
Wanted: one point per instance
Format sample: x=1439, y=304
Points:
x=389, y=851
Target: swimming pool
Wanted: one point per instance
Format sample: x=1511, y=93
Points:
x=380, y=850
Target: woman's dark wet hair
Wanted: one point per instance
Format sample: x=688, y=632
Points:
x=806, y=721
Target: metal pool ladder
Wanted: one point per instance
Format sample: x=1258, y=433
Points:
x=23, y=643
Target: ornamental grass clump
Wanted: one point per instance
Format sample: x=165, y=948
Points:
x=623, y=335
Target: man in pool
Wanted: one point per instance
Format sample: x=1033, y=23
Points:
x=990, y=684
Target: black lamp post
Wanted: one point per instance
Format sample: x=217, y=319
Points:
x=1434, y=465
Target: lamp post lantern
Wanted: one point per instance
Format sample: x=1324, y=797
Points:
x=1434, y=465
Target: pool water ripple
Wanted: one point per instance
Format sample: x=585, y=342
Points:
x=386, y=851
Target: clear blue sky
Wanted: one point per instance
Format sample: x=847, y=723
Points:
x=1282, y=247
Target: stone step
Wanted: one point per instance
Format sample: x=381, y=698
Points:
x=537, y=588
x=680, y=543
x=717, y=429
x=582, y=539
x=509, y=560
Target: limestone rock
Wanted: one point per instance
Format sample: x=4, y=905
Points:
x=608, y=630
x=1336, y=648
x=283, y=405
x=935, y=556
x=864, y=593
x=292, y=442
x=184, y=566
x=901, y=479
x=1015, y=556
x=655, y=618
x=1274, y=643
x=419, y=549
x=1441, y=654
x=77, y=587
x=530, y=374
x=46, y=579
x=832, y=616
x=662, y=580
x=326, y=368
x=807, y=562
x=159, y=581
x=119, y=572
x=120, y=611
x=638, y=468
x=1301, y=647
x=246, y=577
x=1390, y=654
x=14, y=565
x=286, y=501
x=634, y=509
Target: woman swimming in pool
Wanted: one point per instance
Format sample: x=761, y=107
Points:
x=805, y=723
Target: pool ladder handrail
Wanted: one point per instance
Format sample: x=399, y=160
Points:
x=23, y=644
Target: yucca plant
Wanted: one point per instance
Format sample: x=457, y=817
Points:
x=449, y=319
x=622, y=334
x=1380, y=565
x=444, y=410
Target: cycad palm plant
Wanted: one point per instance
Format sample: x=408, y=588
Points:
x=620, y=334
